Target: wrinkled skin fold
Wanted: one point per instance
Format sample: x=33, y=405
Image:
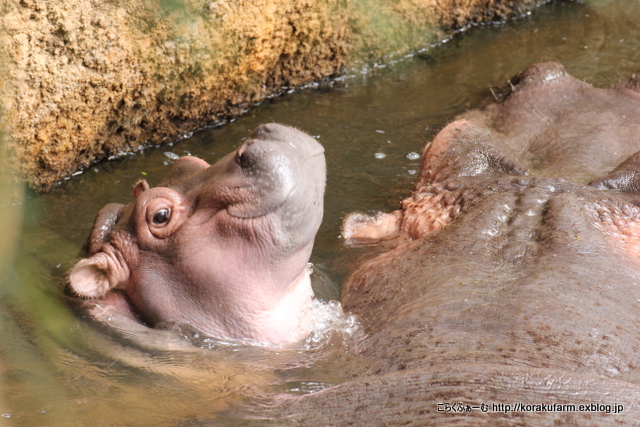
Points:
x=513, y=273
x=223, y=248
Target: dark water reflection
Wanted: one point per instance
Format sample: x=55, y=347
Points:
x=59, y=370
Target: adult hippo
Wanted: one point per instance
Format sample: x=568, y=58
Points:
x=223, y=248
x=510, y=294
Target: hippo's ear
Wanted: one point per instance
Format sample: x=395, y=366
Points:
x=140, y=187
x=93, y=277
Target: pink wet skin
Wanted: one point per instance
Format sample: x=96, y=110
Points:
x=223, y=248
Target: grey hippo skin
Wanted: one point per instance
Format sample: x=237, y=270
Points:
x=223, y=247
x=513, y=274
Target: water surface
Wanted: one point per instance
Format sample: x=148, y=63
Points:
x=58, y=369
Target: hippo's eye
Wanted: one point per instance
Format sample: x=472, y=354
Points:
x=162, y=216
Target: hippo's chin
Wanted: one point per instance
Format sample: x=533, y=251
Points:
x=114, y=303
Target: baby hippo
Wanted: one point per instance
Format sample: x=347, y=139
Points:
x=221, y=247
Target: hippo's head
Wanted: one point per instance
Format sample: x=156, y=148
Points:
x=222, y=247
x=550, y=127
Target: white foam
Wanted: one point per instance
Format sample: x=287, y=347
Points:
x=329, y=319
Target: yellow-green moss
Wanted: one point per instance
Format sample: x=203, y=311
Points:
x=87, y=79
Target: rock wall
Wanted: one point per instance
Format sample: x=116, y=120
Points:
x=84, y=80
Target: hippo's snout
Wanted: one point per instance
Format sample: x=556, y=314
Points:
x=279, y=168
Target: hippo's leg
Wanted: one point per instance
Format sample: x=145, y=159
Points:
x=359, y=228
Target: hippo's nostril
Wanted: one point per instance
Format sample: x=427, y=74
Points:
x=243, y=159
x=244, y=147
x=241, y=155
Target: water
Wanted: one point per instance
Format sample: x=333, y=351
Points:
x=60, y=370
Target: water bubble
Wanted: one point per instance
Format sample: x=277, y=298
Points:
x=379, y=131
x=412, y=171
x=172, y=156
x=413, y=156
x=380, y=155
x=5, y=415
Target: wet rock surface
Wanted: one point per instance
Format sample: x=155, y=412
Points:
x=86, y=80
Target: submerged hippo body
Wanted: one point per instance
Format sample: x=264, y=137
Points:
x=514, y=276
x=223, y=248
